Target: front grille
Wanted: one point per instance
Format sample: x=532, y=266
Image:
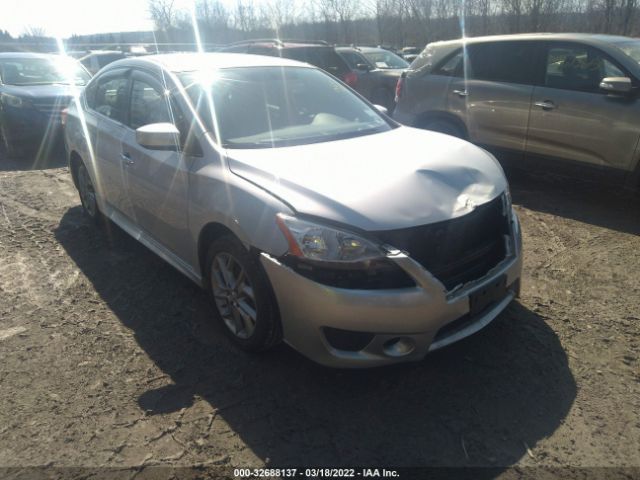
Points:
x=460, y=250
x=51, y=106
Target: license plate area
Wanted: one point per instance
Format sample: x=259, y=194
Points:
x=487, y=295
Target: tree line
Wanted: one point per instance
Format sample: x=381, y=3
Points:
x=394, y=23
x=388, y=22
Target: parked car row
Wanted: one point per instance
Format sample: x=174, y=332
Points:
x=314, y=218
x=368, y=73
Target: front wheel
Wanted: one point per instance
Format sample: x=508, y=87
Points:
x=87, y=193
x=242, y=295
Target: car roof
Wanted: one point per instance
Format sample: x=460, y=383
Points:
x=361, y=49
x=189, y=62
x=588, y=38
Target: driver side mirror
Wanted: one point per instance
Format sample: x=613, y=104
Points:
x=364, y=66
x=616, y=84
x=158, y=136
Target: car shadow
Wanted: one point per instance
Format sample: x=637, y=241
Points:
x=587, y=201
x=481, y=402
x=45, y=157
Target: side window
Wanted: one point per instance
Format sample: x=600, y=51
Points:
x=110, y=97
x=451, y=67
x=509, y=62
x=578, y=68
x=148, y=105
x=353, y=58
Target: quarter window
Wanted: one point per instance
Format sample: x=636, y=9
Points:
x=110, y=98
x=578, y=68
x=451, y=67
x=148, y=105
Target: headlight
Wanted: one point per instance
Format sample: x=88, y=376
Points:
x=12, y=100
x=506, y=198
x=326, y=244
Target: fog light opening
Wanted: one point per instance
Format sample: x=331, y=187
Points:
x=398, y=347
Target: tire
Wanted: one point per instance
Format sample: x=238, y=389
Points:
x=87, y=193
x=9, y=148
x=248, y=311
x=444, y=126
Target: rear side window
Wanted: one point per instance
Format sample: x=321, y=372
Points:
x=110, y=97
x=577, y=67
x=510, y=62
x=324, y=57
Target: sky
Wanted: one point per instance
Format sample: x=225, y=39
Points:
x=65, y=17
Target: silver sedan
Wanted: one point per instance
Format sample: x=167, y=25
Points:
x=307, y=213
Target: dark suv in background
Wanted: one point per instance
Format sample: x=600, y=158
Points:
x=319, y=53
x=556, y=101
x=35, y=88
x=377, y=72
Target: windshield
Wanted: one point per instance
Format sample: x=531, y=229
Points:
x=261, y=107
x=385, y=59
x=631, y=48
x=42, y=71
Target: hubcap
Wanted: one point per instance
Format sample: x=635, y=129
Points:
x=233, y=294
x=87, y=193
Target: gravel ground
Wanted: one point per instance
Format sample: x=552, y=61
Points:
x=109, y=357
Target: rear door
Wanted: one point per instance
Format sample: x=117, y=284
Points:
x=156, y=180
x=493, y=94
x=109, y=103
x=573, y=119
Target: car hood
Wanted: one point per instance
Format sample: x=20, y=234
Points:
x=38, y=92
x=396, y=179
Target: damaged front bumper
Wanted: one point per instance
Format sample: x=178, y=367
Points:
x=381, y=327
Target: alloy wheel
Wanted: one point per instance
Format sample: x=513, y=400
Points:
x=233, y=294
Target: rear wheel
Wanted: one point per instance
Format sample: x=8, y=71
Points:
x=242, y=295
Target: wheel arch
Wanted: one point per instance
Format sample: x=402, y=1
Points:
x=426, y=117
x=75, y=160
x=208, y=234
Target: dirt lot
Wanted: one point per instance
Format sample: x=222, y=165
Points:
x=108, y=357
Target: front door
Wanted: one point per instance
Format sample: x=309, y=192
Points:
x=573, y=119
x=157, y=180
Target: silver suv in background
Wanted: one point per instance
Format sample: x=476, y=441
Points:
x=267, y=182
x=550, y=100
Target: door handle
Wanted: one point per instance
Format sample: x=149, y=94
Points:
x=461, y=93
x=546, y=105
x=126, y=159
